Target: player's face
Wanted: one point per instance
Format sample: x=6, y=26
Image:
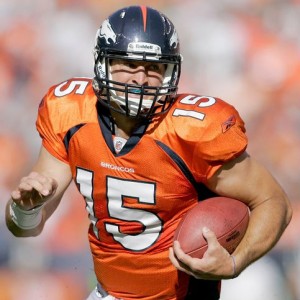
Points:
x=138, y=73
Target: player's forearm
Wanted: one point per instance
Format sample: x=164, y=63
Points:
x=276, y=214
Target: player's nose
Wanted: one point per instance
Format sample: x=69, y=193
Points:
x=140, y=76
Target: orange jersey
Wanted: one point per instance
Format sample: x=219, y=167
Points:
x=135, y=198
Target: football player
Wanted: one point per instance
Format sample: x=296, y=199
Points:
x=142, y=155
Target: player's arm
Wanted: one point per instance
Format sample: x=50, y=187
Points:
x=37, y=195
x=248, y=181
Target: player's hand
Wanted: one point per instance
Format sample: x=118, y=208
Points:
x=33, y=190
x=216, y=262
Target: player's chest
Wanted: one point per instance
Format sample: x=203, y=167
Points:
x=144, y=165
x=141, y=158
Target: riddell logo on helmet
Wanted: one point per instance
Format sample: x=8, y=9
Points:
x=152, y=48
x=149, y=47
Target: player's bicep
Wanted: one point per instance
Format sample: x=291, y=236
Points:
x=245, y=179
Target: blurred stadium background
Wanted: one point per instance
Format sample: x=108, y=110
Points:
x=246, y=52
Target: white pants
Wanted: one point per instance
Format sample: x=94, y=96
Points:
x=100, y=294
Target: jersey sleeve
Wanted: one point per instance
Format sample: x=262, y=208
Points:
x=224, y=140
x=65, y=105
x=212, y=133
x=225, y=135
x=48, y=128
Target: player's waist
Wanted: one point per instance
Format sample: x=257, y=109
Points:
x=139, y=276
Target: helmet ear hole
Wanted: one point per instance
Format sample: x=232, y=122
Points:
x=127, y=35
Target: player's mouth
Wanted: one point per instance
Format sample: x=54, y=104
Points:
x=135, y=91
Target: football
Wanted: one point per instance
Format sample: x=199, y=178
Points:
x=228, y=218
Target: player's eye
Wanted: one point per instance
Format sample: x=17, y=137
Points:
x=130, y=65
x=157, y=68
x=154, y=67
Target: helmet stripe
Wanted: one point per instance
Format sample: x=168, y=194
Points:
x=144, y=13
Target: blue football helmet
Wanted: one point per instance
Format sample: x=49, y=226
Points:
x=143, y=34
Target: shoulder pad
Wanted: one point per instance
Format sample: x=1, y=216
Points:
x=213, y=126
x=71, y=98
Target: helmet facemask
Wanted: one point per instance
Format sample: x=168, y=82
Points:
x=152, y=100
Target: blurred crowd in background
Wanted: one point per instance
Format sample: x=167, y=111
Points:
x=246, y=52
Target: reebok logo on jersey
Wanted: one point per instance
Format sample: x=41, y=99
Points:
x=114, y=167
x=228, y=124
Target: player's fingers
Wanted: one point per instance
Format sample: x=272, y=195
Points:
x=27, y=185
x=39, y=178
x=178, y=264
x=33, y=190
x=210, y=237
x=173, y=259
x=185, y=259
x=49, y=185
x=42, y=184
x=187, y=264
x=15, y=195
x=176, y=255
x=24, y=190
